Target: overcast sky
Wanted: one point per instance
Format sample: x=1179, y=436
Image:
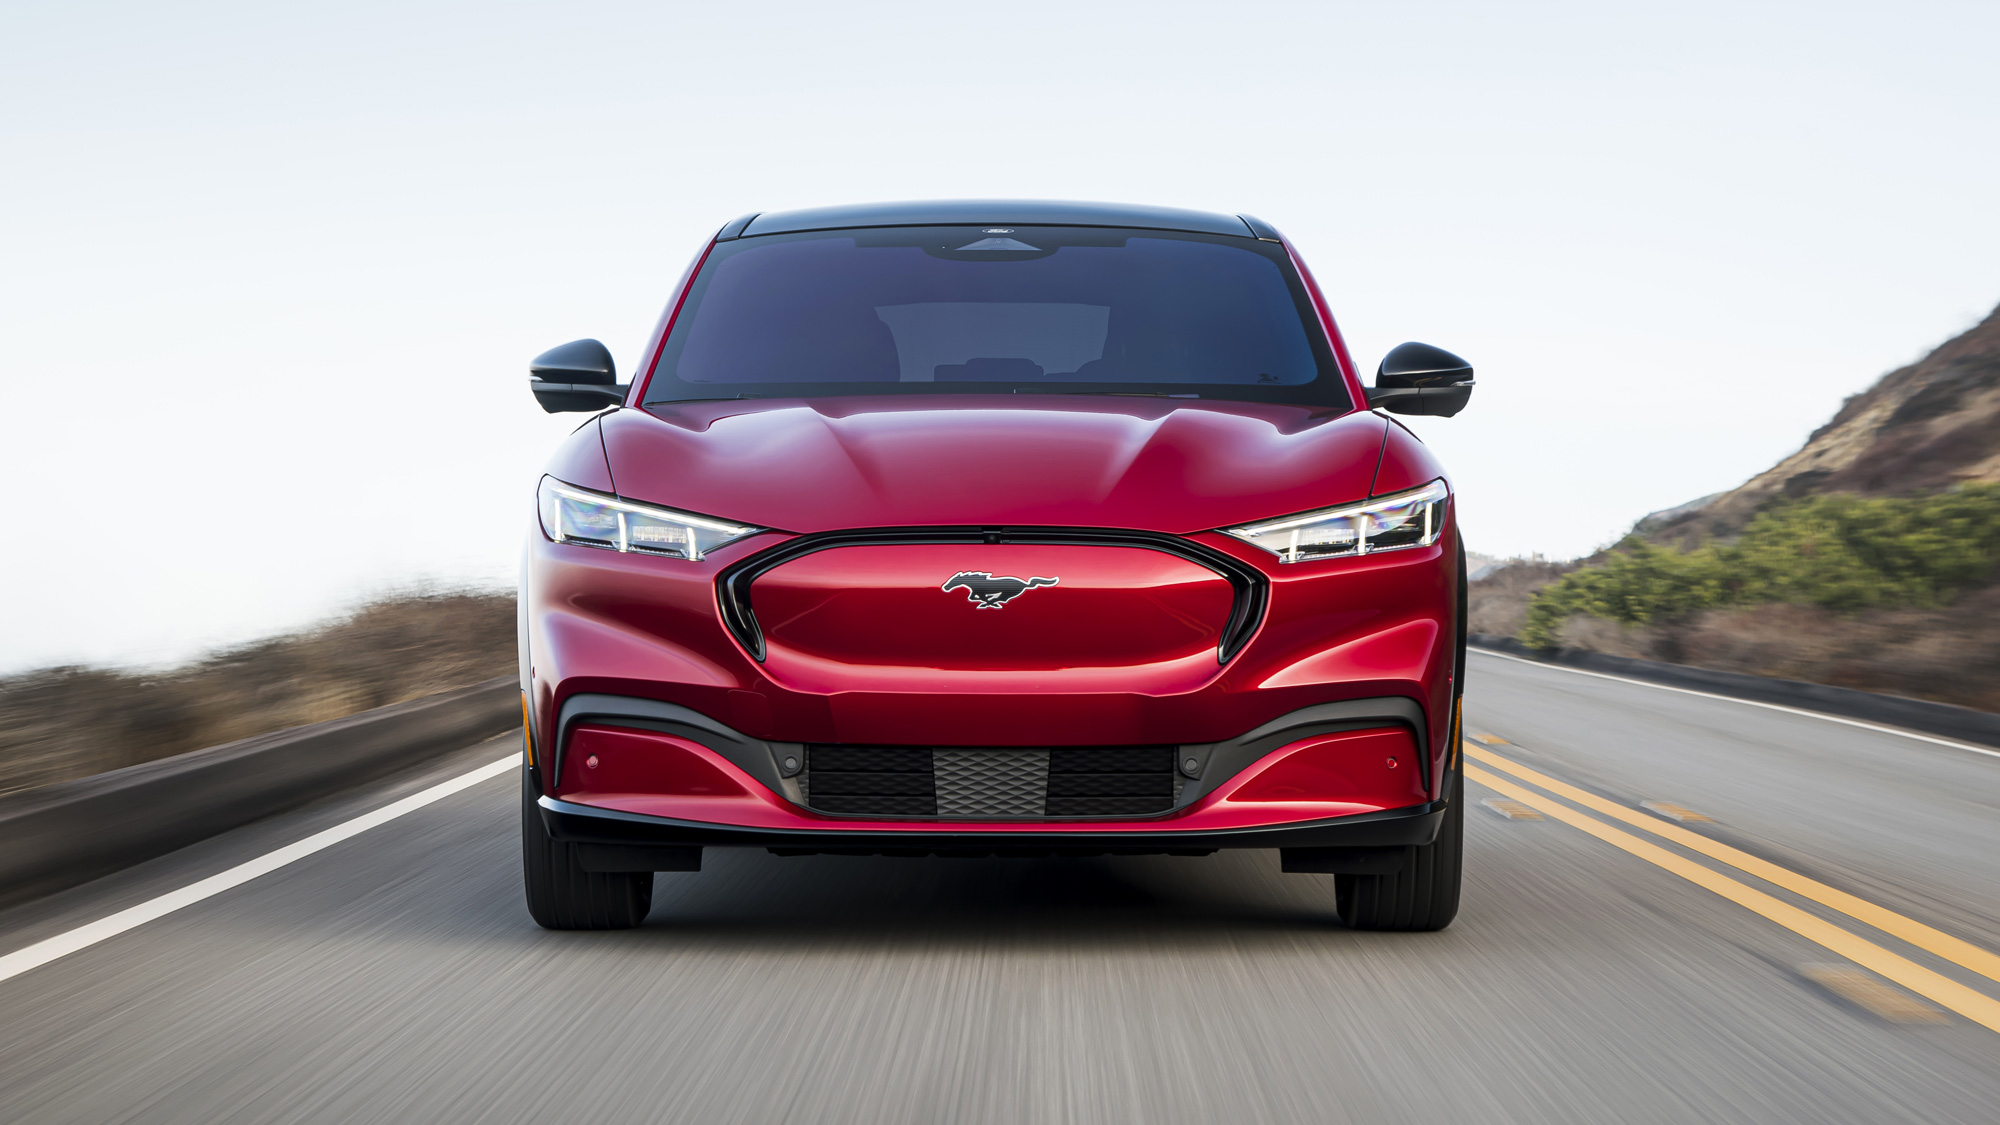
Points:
x=272, y=273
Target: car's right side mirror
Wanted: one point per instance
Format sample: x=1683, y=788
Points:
x=578, y=375
x=1420, y=379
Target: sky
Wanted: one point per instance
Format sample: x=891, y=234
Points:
x=270, y=275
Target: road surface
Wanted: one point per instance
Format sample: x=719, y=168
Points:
x=1811, y=953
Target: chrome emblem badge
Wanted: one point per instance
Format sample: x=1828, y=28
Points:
x=985, y=591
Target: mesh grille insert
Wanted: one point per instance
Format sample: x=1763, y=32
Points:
x=989, y=783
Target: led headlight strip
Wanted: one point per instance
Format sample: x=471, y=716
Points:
x=1390, y=523
x=593, y=519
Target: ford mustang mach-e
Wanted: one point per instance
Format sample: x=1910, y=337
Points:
x=994, y=528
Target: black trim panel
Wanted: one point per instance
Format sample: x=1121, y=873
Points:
x=732, y=585
x=584, y=824
x=1214, y=762
x=733, y=229
x=990, y=212
x=1264, y=231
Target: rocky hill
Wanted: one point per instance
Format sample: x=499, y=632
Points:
x=1920, y=428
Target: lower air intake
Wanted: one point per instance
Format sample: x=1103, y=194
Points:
x=949, y=782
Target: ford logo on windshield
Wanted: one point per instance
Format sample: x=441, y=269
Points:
x=985, y=591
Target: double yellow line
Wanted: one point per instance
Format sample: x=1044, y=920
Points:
x=1970, y=1003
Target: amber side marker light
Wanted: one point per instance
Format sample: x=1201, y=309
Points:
x=527, y=731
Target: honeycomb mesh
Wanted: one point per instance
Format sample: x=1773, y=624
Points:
x=966, y=783
x=990, y=782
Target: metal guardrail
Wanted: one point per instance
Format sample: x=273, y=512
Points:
x=1942, y=719
x=60, y=835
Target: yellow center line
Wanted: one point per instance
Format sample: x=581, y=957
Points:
x=1973, y=1005
x=1955, y=950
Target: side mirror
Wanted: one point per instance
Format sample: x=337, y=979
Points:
x=1420, y=379
x=576, y=376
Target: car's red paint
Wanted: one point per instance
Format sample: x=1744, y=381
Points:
x=1333, y=775
x=872, y=618
x=653, y=774
x=580, y=460
x=1147, y=464
x=1337, y=629
x=610, y=762
x=1406, y=462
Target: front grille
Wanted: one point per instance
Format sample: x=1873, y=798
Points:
x=952, y=782
x=1113, y=781
x=878, y=780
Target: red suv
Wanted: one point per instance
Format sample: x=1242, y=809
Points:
x=994, y=528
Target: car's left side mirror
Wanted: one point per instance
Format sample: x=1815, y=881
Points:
x=576, y=376
x=1420, y=379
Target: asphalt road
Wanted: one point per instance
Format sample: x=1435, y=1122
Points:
x=395, y=976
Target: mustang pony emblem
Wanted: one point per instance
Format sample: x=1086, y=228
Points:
x=987, y=592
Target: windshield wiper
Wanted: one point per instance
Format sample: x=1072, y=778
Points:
x=712, y=398
x=1135, y=394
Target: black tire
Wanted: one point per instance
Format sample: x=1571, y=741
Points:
x=1421, y=896
x=1424, y=894
x=561, y=894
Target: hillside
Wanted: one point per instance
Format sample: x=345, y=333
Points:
x=1814, y=569
x=60, y=723
x=1931, y=425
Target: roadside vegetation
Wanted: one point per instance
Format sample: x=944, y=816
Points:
x=1841, y=553
x=1895, y=595
x=62, y=723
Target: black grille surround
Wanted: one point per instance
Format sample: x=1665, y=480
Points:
x=1252, y=589
x=988, y=783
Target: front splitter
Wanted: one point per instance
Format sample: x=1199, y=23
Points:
x=585, y=824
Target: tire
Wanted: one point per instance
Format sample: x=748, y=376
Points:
x=561, y=894
x=1424, y=894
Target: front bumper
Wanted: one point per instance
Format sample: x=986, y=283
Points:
x=752, y=800
x=634, y=834
x=603, y=622
x=631, y=639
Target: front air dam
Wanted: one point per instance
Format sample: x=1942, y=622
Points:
x=1355, y=788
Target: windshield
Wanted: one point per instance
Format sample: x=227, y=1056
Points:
x=1012, y=310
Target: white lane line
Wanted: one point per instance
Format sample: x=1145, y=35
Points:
x=1747, y=703
x=90, y=933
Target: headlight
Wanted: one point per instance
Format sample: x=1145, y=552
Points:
x=1406, y=519
x=592, y=519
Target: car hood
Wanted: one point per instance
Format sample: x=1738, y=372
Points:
x=1150, y=464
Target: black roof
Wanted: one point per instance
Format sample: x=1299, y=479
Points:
x=1024, y=212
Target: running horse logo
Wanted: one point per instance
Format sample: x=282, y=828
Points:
x=987, y=592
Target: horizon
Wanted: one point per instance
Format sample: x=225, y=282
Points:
x=277, y=274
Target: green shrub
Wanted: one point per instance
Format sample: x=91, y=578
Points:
x=1841, y=552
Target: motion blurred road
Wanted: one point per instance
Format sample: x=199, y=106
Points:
x=1595, y=974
